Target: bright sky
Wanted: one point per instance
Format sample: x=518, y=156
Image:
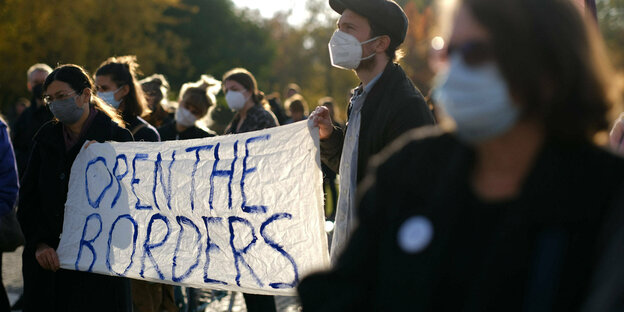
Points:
x=269, y=7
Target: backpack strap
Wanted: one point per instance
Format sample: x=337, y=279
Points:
x=137, y=128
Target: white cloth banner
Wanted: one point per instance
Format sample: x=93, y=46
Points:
x=241, y=212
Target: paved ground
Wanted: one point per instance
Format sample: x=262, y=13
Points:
x=12, y=273
x=12, y=278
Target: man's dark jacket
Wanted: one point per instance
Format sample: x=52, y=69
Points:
x=26, y=126
x=392, y=107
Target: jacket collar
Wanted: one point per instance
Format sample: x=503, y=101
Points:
x=99, y=130
x=390, y=77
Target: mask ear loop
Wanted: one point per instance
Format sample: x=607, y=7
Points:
x=79, y=95
x=374, y=53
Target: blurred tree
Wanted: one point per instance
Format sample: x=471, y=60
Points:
x=417, y=42
x=219, y=38
x=81, y=32
x=611, y=21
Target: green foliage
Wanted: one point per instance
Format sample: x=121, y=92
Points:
x=611, y=21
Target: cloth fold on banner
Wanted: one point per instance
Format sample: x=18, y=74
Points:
x=241, y=212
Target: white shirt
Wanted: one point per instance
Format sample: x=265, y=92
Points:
x=345, y=211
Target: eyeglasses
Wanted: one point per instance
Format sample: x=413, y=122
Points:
x=60, y=96
x=472, y=52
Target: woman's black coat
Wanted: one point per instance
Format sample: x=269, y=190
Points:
x=41, y=209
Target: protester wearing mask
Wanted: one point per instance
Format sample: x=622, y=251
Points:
x=383, y=106
x=196, y=99
x=9, y=186
x=155, y=88
x=79, y=117
x=514, y=208
x=117, y=85
x=242, y=95
x=32, y=118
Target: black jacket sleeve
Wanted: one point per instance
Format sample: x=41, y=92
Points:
x=29, y=202
x=331, y=149
x=410, y=112
x=347, y=287
x=123, y=135
x=147, y=134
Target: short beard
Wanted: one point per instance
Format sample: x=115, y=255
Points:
x=367, y=65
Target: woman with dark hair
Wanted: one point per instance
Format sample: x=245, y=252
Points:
x=243, y=97
x=155, y=89
x=513, y=209
x=117, y=85
x=196, y=99
x=79, y=117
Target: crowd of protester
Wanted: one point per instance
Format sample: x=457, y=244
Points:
x=506, y=198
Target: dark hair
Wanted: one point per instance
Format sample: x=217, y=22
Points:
x=248, y=81
x=78, y=79
x=293, y=86
x=155, y=85
x=393, y=52
x=297, y=103
x=122, y=71
x=326, y=101
x=553, y=61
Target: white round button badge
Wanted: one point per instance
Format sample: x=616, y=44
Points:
x=415, y=234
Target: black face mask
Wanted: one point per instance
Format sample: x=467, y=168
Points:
x=37, y=92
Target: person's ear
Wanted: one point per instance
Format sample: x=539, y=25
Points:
x=383, y=43
x=124, y=91
x=29, y=86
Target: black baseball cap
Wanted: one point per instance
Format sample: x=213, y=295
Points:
x=386, y=15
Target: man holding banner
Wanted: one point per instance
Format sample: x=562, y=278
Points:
x=383, y=106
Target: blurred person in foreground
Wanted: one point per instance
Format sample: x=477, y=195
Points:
x=385, y=104
x=155, y=89
x=512, y=211
x=80, y=116
x=8, y=192
x=243, y=97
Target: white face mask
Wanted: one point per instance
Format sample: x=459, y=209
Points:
x=345, y=50
x=184, y=117
x=477, y=98
x=109, y=98
x=235, y=100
